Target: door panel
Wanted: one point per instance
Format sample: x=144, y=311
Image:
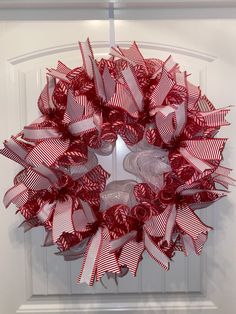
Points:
x=193, y=284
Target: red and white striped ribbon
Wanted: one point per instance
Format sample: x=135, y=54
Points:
x=160, y=92
x=39, y=178
x=88, y=270
x=109, y=83
x=98, y=259
x=62, y=219
x=15, y=194
x=120, y=242
x=87, y=56
x=206, y=149
x=45, y=101
x=133, y=87
x=35, y=133
x=98, y=81
x=122, y=99
x=215, y=118
x=54, y=148
x=189, y=222
x=60, y=72
x=155, y=252
x=46, y=211
x=15, y=151
x=81, y=126
x=130, y=255
x=132, y=55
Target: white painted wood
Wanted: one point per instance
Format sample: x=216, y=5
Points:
x=26, y=269
x=125, y=303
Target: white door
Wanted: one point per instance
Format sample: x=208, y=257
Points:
x=34, y=279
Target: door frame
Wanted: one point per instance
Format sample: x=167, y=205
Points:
x=19, y=10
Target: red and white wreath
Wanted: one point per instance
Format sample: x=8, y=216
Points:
x=170, y=129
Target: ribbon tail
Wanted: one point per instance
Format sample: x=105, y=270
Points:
x=45, y=212
x=116, y=53
x=75, y=106
x=98, y=80
x=224, y=180
x=34, y=133
x=107, y=261
x=181, y=118
x=212, y=119
x=14, y=150
x=109, y=83
x=197, y=163
x=17, y=195
x=156, y=225
x=45, y=101
x=170, y=224
x=88, y=270
x=131, y=255
x=155, y=252
x=204, y=104
x=39, y=178
x=134, y=88
x=207, y=149
x=191, y=245
x=161, y=90
x=87, y=55
x=120, y=242
x=133, y=55
x=165, y=125
x=170, y=65
x=221, y=175
x=62, y=219
x=60, y=72
x=190, y=223
x=194, y=94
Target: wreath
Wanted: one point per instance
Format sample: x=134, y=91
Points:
x=170, y=129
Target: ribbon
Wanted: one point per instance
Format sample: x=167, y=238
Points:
x=62, y=195
x=62, y=221
x=16, y=150
x=31, y=178
x=97, y=259
x=75, y=123
x=131, y=247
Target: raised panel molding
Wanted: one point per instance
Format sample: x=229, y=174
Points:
x=105, y=45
